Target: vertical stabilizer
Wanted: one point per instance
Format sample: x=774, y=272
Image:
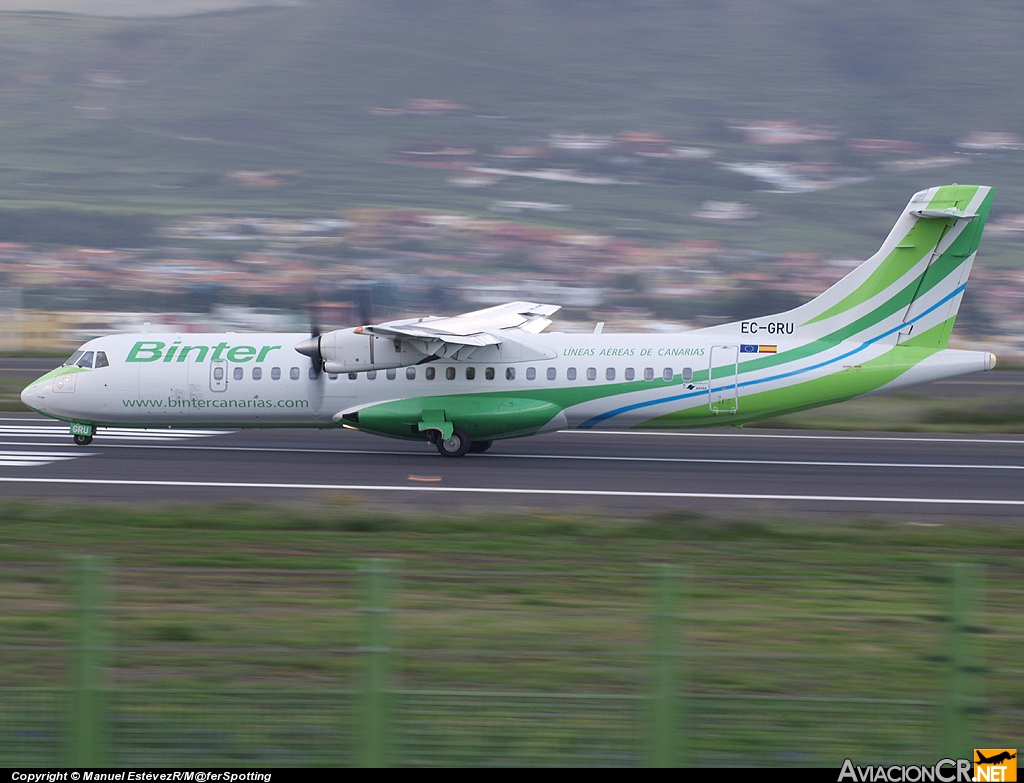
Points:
x=910, y=290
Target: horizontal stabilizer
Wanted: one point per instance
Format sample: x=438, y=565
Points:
x=946, y=214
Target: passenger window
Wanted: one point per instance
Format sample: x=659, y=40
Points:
x=552, y=373
x=571, y=373
x=489, y=373
x=332, y=376
x=101, y=359
x=531, y=373
x=591, y=373
x=294, y=373
x=609, y=374
x=352, y=376
x=371, y=375
x=450, y=373
x=648, y=373
x=687, y=373
x=391, y=374
x=239, y=372
x=667, y=374
x=312, y=373
x=218, y=373
x=275, y=373
x=629, y=375
x=430, y=373
x=410, y=373
x=470, y=373
x=86, y=360
x=510, y=374
x=74, y=359
x=257, y=373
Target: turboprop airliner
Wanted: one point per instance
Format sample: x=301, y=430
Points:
x=462, y=382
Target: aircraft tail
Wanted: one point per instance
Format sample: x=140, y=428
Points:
x=910, y=290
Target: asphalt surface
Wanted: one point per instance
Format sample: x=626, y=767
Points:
x=921, y=477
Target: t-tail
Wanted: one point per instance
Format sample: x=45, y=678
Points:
x=894, y=313
x=908, y=292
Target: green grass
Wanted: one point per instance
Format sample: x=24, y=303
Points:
x=245, y=604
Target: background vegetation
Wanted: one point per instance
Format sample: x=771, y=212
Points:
x=238, y=629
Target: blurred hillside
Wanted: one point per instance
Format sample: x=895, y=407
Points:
x=793, y=127
x=153, y=113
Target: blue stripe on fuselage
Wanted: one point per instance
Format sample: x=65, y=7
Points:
x=594, y=420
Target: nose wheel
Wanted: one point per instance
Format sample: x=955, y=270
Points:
x=83, y=440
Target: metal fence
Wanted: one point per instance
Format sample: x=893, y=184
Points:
x=442, y=667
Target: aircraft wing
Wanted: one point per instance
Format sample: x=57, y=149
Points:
x=478, y=328
x=494, y=331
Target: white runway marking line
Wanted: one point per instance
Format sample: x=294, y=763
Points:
x=33, y=459
x=113, y=433
x=579, y=457
x=570, y=457
x=513, y=491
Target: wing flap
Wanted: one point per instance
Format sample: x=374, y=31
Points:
x=475, y=328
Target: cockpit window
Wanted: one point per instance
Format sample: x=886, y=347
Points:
x=86, y=360
x=74, y=359
x=101, y=359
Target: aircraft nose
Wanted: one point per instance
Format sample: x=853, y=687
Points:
x=31, y=396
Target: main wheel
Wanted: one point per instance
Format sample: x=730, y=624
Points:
x=455, y=446
x=83, y=440
x=480, y=446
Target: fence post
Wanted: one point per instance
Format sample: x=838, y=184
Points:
x=668, y=747
x=88, y=733
x=959, y=701
x=377, y=652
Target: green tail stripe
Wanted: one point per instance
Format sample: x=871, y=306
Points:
x=962, y=248
x=919, y=241
x=932, y=338
x=922, y=238
x=956, y=196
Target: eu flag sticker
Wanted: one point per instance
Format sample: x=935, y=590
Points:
x=748, y=349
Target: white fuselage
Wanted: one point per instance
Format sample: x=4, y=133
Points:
x=608, y=381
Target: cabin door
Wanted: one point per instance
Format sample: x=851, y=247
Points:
x=218, y=375
x=723, y=381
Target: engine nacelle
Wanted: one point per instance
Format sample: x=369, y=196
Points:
x=352, y=350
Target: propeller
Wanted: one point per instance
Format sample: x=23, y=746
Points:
x=311, y=347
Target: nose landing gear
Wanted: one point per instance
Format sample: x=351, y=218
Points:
x=82, y=433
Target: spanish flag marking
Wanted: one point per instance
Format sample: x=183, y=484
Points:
x=767, y=349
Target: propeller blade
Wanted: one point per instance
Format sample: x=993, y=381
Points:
x=311, y=347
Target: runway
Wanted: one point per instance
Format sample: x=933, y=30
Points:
x=720, y=471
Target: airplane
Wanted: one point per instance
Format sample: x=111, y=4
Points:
x=996, y=759
x=460, y=383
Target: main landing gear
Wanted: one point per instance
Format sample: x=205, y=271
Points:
x=458, y=445
x=83, y=440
